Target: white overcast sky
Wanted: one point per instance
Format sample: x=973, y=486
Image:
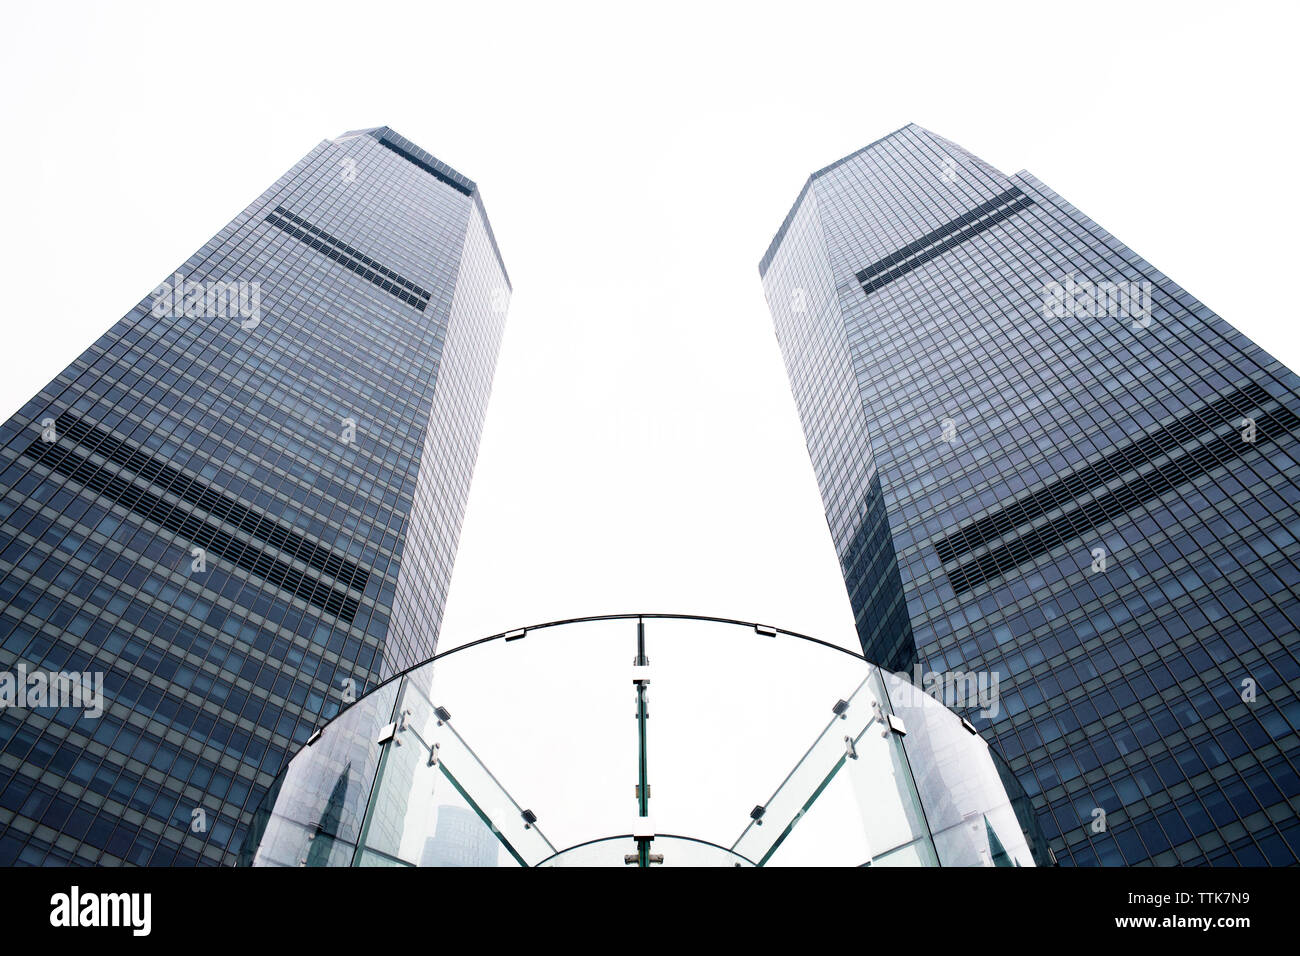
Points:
x=642, y=450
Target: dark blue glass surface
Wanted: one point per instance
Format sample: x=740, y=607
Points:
x=1070, y=498
x=315, y=440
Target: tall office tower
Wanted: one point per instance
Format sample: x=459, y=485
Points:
x=460, y=839
x=1042, y=459
x=239, y=508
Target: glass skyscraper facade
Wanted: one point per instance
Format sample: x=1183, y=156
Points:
x=240, y=506
x=1043, y=461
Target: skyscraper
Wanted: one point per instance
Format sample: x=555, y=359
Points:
x=461, y=839
x=239, y=508
x=1044, y=462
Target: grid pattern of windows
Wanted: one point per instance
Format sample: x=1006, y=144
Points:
x=413, y=154
x=199, y=532
x=1032, y=542
x=938, y=241
x=349, y=258
x=213, y=510
x=1068, y=499
x=1131, y=457
x=197, y=492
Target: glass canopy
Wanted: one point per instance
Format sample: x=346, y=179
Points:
x=541, y=747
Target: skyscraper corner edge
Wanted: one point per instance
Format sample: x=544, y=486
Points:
x=394, y=141
x=772, y=247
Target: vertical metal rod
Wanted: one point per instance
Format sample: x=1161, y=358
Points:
x=643, y=788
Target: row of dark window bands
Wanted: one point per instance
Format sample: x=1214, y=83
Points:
x=433, y=171
x=193, y=529
x=220, y=505
x=392, y=283
x=1029, y=507
x=1269, y=427
x=938, y=241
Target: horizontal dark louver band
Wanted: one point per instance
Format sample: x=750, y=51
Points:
x=429, y=168
x=200, y=531
x=1030, y=507
x=938, y=241
x=348, y=257
x=220, y=505
x=1038, y=541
